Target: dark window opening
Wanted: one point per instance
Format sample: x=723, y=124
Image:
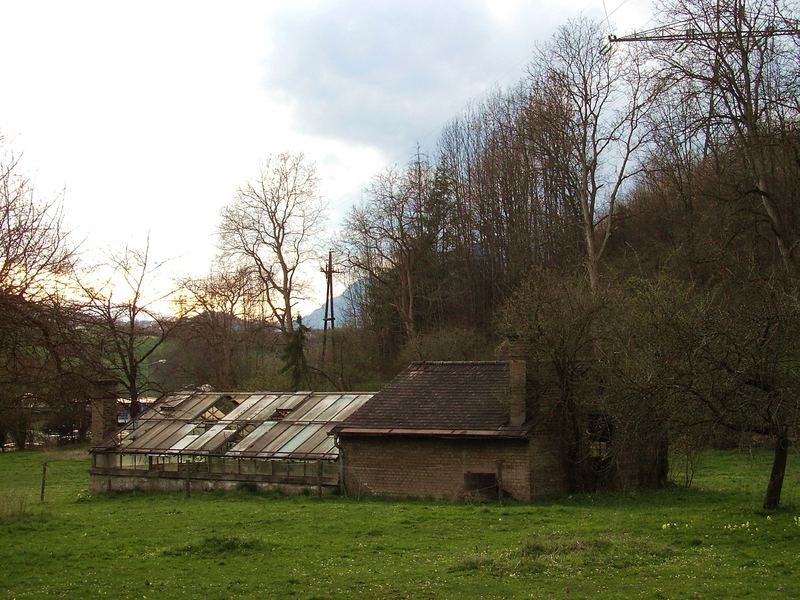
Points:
x=221, y=407
x=242, y=431
x=199, y=428
x=482, y=485
x=280, y=414
x=599, y=430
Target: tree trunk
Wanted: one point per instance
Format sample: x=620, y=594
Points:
x=135, y=407
x=773, y=497
x=776, y=222
x=19, y=433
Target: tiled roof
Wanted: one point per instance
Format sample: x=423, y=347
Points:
x=438, y=398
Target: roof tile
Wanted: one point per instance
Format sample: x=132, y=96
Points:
x=440, y=396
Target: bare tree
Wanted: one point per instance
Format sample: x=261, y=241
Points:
x=380, y=242
x=744, y=78
x=33, y=242
x=719, y=358
x=745, y=82
x=124, y=322
x=272, y=224
x=395, y=240
x=221, y=309
x=34, y=255
x=605, y=96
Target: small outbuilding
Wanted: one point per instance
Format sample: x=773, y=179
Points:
x=454, y=430
x=462, y=430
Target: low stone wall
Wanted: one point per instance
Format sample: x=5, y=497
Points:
x=127, y=480
x=113, y=472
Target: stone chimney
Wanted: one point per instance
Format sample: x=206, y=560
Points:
x=104, y=410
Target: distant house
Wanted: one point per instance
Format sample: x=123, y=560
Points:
x=124, y=408
x=472, y=429
x=454, y=430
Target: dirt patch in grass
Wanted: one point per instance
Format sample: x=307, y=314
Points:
x=479, y=563
x=220, y=546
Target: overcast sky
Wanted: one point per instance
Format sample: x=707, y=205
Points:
x=151, y=114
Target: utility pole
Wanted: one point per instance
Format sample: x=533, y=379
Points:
x=687, y=32
x=690, y=31
x=330, y=317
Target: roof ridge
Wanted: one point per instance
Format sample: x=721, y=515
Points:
x=267, y=393
x=459, y=362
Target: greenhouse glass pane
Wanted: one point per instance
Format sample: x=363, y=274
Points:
x=299, y=438
x=253, y=437
x=314, y=407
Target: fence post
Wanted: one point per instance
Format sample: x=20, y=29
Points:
x=499, y=477
x=44, y=478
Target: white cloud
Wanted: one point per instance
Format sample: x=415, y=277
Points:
x=152, y=113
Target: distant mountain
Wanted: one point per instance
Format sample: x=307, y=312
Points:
x=342, y=310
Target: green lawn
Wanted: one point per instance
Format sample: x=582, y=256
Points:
x=709, y=542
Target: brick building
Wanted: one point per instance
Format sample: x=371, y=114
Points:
x=464, y=429
x=454, y=430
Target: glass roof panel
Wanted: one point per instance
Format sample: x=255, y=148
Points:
x=153, y=436
x=298, y=438
x=282, y=437
x=326, y=447
x=254, y=405
x=337, y=407
x=206, y=437
x=246, y=403
x=253, y=437
x=187, y=439
x=292, y=400
x=194, y=405
x=178, y=428
x=315, y=405
x=127, y=434
x=310, y=444
x=266, y=408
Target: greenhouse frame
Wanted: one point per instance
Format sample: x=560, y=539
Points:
x=228, y=440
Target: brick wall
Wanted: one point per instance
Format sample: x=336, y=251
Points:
x=548, y=475
x=103, y=402
x=430, y=467
x=548, y=466
x=104, y=418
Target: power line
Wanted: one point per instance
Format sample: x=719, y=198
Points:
x=613, y=12
x=605, y=10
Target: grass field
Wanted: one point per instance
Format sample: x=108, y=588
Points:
x=709, y=542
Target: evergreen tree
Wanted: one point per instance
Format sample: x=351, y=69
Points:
x=293, y=355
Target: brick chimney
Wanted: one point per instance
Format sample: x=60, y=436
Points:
x=516, y=351
x=518, y=406
x=517, y=359
x=104, y=410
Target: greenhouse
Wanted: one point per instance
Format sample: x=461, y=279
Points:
x=212, y=440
